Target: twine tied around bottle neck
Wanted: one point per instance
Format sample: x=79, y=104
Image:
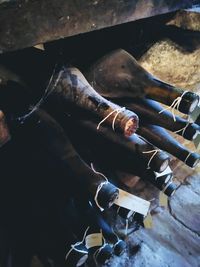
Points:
x=99, y=186
x=118, y=209
x=189, y=154
x=73, y=246
x=184, y=128
x=175, y=105
x=118, y=111
x=154, y=151
x=126, y=226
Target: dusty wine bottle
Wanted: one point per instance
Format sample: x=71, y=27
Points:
x=111, y=157
x=127, y=79
x=99, y=251
x=70, y=86
x=52, y=137
x=133, y=144
x=163, y=140
x=119, y=246
x=151, y=112
x=163, y=181
x=96, y=219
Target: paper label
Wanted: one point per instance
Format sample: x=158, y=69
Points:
x=168, y=170
x=94, y=240
x=131, y=202
x=148, y=221
x=163, y=200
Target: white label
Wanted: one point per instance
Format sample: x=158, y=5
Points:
x=168, y=170
x=131, y=202
x=94, y=240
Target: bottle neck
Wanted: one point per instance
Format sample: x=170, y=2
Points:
x=163, y=92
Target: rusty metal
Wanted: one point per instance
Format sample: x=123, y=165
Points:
x=24, y=23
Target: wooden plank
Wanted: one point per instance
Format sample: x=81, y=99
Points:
x=27, y=23
x=185, y=206
x=187, y=19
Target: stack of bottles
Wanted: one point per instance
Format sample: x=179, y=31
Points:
x=109, y=115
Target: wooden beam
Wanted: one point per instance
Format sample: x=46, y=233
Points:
x=25, y=23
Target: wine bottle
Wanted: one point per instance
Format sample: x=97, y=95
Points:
x=110, y=157
x=134, y=145
x=128, y=214
x=151, y=112
x=96, y=219
x=163, y=182
x=70, y=86
x=163, y=140
x=98, y=250
x=129, y=221
x=51, y=136
x=127, y=79
x=119, y=246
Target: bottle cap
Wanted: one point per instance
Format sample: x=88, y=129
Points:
x=192, y=159
x=119, y=247
x=104, y=253
x=159, y=162
x=161, y=181
x=191, y=131
x=189, y=102
x=170, y=189
x=107, y=195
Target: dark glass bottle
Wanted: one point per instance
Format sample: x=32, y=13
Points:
x=133, y=145
x=151, y=112
x=50, y=135
x=163, y=140
x=69, y=86
x=127, y=79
